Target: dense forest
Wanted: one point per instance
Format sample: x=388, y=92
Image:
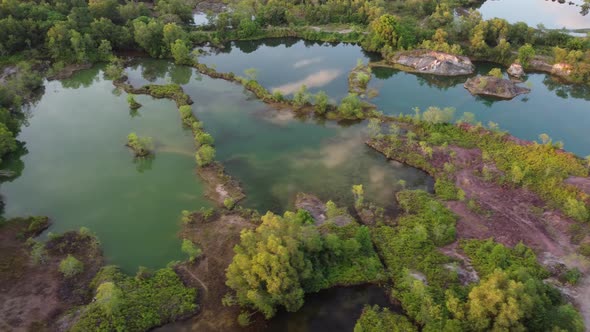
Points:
x=279, y=258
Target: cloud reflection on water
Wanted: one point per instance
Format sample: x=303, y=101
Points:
x=315, y=80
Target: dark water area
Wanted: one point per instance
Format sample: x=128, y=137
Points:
x=335, y=309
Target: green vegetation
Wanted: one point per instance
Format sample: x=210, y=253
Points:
x=285, y=257
x=191, y=250
x=141, y=146
x=541, y=168
x=205, y=155
x=229, y=203
x=375, y=319
x=496, y=72
x=70, y=266
x=133, y=104
x=510, y=295
x=135, y=304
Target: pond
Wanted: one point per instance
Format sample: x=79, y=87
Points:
x=285, y=64
x=553, y=108
x=276, y=155
x=559, y=110
x=552, y=14
x=335, y=309
x=78, y=172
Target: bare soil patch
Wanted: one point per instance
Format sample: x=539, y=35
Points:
x=216, y=238
x=32, y=295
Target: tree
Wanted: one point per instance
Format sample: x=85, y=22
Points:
x=205, y=155
x=359, y=195
x=251, y=73
x=189, y=248
x=149, y=36
x=105, y=50
x=7, y=141
x=301, y=97
x=525, y=54
x=181, y=53
x=70, y=266
x=498, y=303
x=270, y=263
x=321, y=102
x=351, y=107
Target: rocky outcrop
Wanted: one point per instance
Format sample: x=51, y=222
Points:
x=432, y=62
x=516, y=70
x=562, y=70
x=491, y=86
x=319, y=212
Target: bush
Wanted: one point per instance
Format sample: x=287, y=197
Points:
x=70, y=266
x=205, y=155
x=126, y=303
x=351, y=107
x=525, y=54
x=321, y=102
x=141, y=146
x=203, y=138
x=189, y=248
x=229, y=203
x=496, y=72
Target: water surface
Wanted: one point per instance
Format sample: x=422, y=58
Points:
x=551, y=14
x=78, y=172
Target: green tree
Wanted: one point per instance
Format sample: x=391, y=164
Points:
x=181, y=53
x=321, y=102
x=525, y=54
x=270, y=263
x=205, y=155
x=149, y=37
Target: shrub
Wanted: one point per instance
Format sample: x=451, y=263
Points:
x=204, y=138
x=205, y=155
x=141, y=146
x=189, y=248
x=321, y=102
x=496, y=72
x=186, y=114
x=229, y=203
x=525, y=54
x=70, y=266
x=351, y=107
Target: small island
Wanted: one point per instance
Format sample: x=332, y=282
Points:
x=433, y=62
x=493, y=86
x=141, y=146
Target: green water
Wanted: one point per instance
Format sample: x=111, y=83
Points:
x=562, y=111
x=275, y=155
x=79, y=173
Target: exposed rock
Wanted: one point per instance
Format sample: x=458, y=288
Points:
x=313, y=205
x=562, y=70
x=220, y=185
x=494, y=87
x=436, y=63
x=318, y=210
x=516, y=70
